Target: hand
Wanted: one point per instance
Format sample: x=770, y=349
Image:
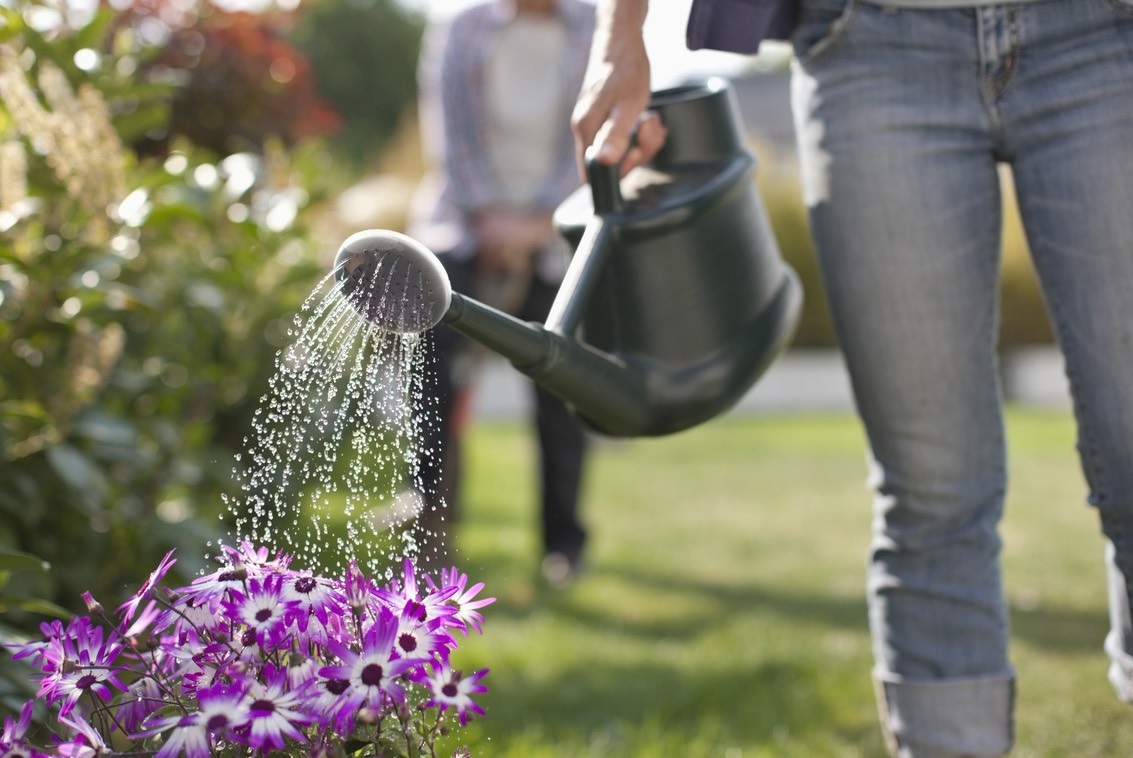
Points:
x=615, y=93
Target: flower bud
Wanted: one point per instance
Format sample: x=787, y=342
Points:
x=93, y=606
x=369, y=715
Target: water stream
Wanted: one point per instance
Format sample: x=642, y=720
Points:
x=331, y=470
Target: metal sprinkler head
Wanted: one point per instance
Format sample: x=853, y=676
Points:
x=393, y=280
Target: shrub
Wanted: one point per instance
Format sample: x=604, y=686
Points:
x=141, y=305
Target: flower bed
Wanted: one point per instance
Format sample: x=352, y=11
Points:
x=257, y=658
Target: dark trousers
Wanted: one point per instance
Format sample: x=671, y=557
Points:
x=562, y=440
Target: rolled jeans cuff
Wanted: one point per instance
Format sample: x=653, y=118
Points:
x=947, y=718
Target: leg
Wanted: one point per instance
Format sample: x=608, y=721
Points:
x=901, y=181
x=1069, y=116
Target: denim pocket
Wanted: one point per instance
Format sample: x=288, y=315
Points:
x=822, y=25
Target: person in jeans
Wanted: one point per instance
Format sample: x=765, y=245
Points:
x=905, y=111
x=497, y=83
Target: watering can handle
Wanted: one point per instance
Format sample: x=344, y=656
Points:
x=605, y=184
x=587, y=264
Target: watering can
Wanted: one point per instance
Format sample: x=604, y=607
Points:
x=676, y=299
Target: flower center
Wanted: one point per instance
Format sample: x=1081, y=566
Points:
x=407, y=642
x=337, y=686
x=248, y=638
x=417, y=611
x=263, y=706
x=305, y=584
x=372, y=675
x=85, y=682
x=449, y=690
x=263, y=614
x=216, y=722
x=234, y=575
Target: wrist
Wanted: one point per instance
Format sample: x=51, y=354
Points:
x=620, y=17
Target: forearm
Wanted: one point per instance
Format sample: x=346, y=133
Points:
x=616, y=91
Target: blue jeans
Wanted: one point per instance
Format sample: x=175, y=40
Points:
x=904, y=118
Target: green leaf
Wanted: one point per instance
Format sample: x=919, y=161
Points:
x=13, y=560
x=133, y=125
x=71, y=466
x=33, y=605
x=98, y=426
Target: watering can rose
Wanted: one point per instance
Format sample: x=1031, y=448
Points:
x=258, y=657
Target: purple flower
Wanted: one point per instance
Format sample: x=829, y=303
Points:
x=86, y=743
x=466, y=615
x=151, y=616
x=52, y=632
x=256, y=558
x=12, y=738
x=275, y=712
x=372, y=675
x=357, y=588
x=417, y=639
x=433, y=604
x=262, y=610
x=127, y=609
x=335, y=702
x=451, y=689
x=253, y=658
x=144, y=696
x=78, y=663
x=221, y=709
x=314, y=596
x=241, y=565
x=196, y=613
x=202, y=598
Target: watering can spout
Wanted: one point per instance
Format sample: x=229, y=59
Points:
x=676, y=299
x=401, y=287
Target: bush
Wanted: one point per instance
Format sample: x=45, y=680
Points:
x=239, y=82
x=363, y=55
x=141, y=305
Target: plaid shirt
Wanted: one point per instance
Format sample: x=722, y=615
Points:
x=454, y=120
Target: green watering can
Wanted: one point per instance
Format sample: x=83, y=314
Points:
x=676, y=299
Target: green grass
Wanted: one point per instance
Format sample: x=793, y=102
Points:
x=722, y=611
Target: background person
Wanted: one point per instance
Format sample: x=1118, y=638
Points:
x=497, y=84
x=904, y=112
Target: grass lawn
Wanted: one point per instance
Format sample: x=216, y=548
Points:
x=722, y=611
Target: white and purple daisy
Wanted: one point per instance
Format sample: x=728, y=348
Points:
x=12, y=738
x=86, y=742
x=434, y=604
x=372, y=675
x=315, y=597
x=467, y=616
x=262, y=609
x=451, y=689
x=275, y=712
x=221, y=710
x=79, y=663
x=420, y=640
